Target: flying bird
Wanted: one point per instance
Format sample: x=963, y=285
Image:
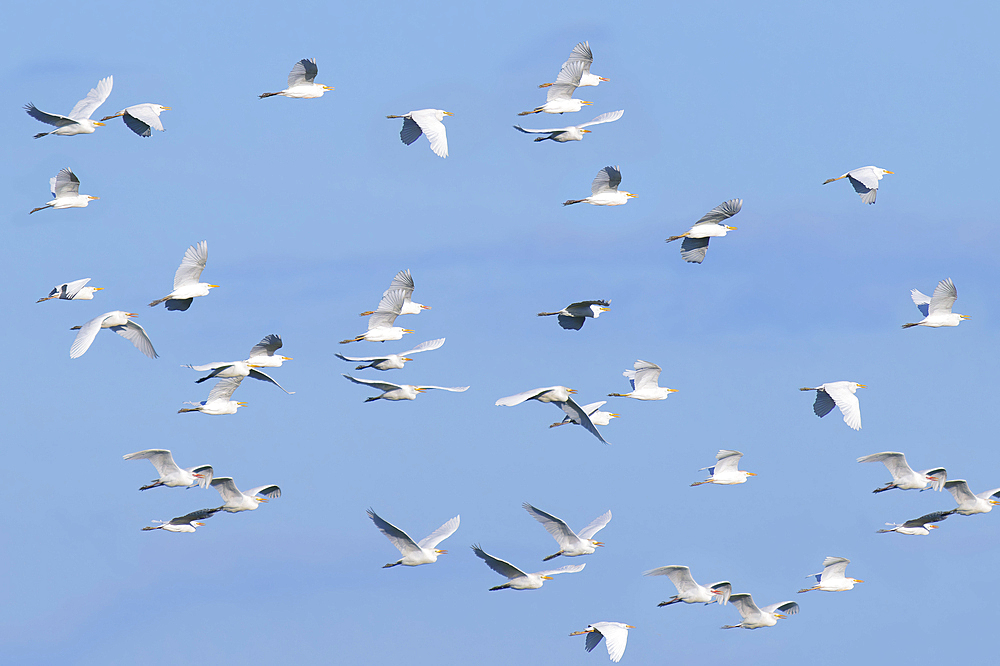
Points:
x=710, y=225
x=644, y=380
x=381, y=324
x=832, y=578
x=604, y=190
x=119, y=322
x=574, y=316
x=570, y=544
x=921, y=526
x=301, y=82
x=754, y=617
x=614, y=633
x=65, y=187
x=247, y=368
x=517, y=579
x=937, y=308
x=573, y=132
x=185, y=523
x=425, y=121
x=392, y=391
x=72, y=291
x=968, y=503
x=838, y=394
x=865, y=181
x=560, y=396
x=403, y=281
x=186, y=280
x=171, y=475
x=903, y=476
x=219, y=399
x=237, y=501
x=581, y=53
x=78, y=121
x=725, y=471
x=141, y=118
x=414, y=553
x=559, y=98
x=689, y=591
x=262, y=353
x=597, y=416
x=391, y=361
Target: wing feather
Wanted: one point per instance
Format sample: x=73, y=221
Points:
x=944, y=297
x=693, y=250
x=193, y=263
x=136, y=334
x=595, y=526
x=304, y=71
x=611, y=116
x=83, y=109
x=66, y=184
x=400, y=539
x=502, y=567
x=559, y=530
x=440, y=534
x=86, y=336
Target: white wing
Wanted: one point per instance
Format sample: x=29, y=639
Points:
x=388, y=309
x=559, y=530
x=147, y=115
x=593, y=407
x=577, y=415
x=611, y=116
x=66, y=184
x=207, y=474
x=518, y=398
x=922, y=301
x=569, y=568
x=646, y=375
x=304, y=71
x=895, y=462
x=988, y=494
x=726, y=588
x=541, y=131
x=615, y=637
x=380, y=385
x=136, y=334
x=679, y=575
x=786, y=607
x=227, y=489
x=944, y=297
x=86, y=336
x=729, y=461
x=224, y=389
x=162, y=460
x=744, y=604
x=835, y=567
x=270, y=491
x=607, y=180
x=453, y=389
x=595, y=526
x=722, y=212
x=440, y=534
x=400, y=539
x=193, y=263
x=403, y=280
x=69, y=289
x=567, y=81
x=848, y=404
x=263, y=376
x=959, y=489
x=48, y=118
x=424, y=346
x=433, y=128
x=500, y=566
x=267, y=346
x=86, y=106
x=582, y=52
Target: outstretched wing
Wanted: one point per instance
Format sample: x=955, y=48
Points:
x=440, y=534
x=304, y=71
x=86, y=106
x=647, y=375
x=86, y=336
x=944, y=297
x=257, y=374
x=848, y=403
x=224, y=389
x=69, y=289
x=430, y=345
x=894, y=461
x=786, y=607
x=611, y=116
x=921, y=300
x=835, y=567
x=571, y=323
x=607, y=180
x=267, y=346
x=388, y=309
x=400, y=539
x=577, y=415
x=136, y=334
x=518, y=398
x=569, y=568
x=193, y=263
x=729, y=461
x=959, y=489
x=270, y=491
x=559, y=530
x=227, y=488
x=722, y=212
x=66, y=184
x=411, y=131
x=402, y=280
x=380, y=385
x=502, y=567
x=567, y=81
x=743, y=603
x=614, y=636
x=434, y=129
x=679, y=575
x=48, y=118
x=693, y=250
x=187, y=519
x=162, y=460
x=824, y=404
x=593, y=640
x=582, y=52
x=935, y=517
x=453, y=389
x=596, y=525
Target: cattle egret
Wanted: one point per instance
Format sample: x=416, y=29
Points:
x=78, y=121
x=392, y=391
x=865, y=181
x=237, y=501
x=604, y=190
x=570, y=544
x=937, y=308
x=918, y=526
x=141, y=118
x=171, y=475
x=725, y=472
x=574, y=132
x=72, y=291
x=597, y=416
x=517, y=579
x=414, y=553
x=301, y=84
x=218, y=402
x=65, y=187
x=832, y=578
x=903, y=477
x=381, y=323
x=391, y=361
x=426, y=121
x=119, y=322
x=186, y=280
x=614, y=633
x=559, y=98
x=710, y=225
x=403, y=281
x=838, y=394
x=560, y=396
x=582, y=53
x=644, y=380
x=185, y=523
x=262, y=353
x=968, y=503
x=755, y=618
x=574, y=316
x=689, y=591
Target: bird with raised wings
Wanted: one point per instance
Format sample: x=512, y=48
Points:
x=838, y=394
x=574, y=316
x=570, y=543
x=688, y=590
x=937, y=308
x=725, y=472
x=604, y=190
x=262, y=354
x=754, y=617
x=414, y=553
x=391, y=361
x=921, y=526
x=573, y=132
x=644, y=379
x=581, y=53
x=833, y=578
x=429, y=122
x=246, y=368
x=597, y=416
x=903, y=476
x=559, y=97
x=237, y=501
x=72, y=291
x=78, y=121
x=185, y=523
x=187, y=285
x=403, y=281
x=864, y=180
x=302, y=82
x=172, y=476
x=381, y=323
x=65, y=188
x=969, y=503
x=709, y=226
x=118, y=321
x=560, y=396
x=517, y=579
x=391, y=391
x=219, y=400
x=141, y=118
x=615, y=635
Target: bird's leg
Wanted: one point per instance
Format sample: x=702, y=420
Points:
x=158, y=527
x=186, y=409
x=47, y=297
x=545, y=85
x=730, y=626
x=392, y=564
x=528, y=113
x=155, y=303
x=371, y=399
x=888, y=486
x=362, y=367
x=673, y=238
x=41, y=134
x=673, y=600
x=263, y=95
x=618, y=395
x=573, y=201
x=543, y=138
x=500, y=587
x=809, y=589
x=38, y=209
x=904, y=325
x=559, y=424
x=833, y=179
x=365, y=314
x=546, y=559
x=152, y=484
x=547, y=314
x=357, y=339
x=395, y=116
x=698, y=483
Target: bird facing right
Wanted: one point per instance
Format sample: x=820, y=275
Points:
x=72, y=291
x=865, y=181
x=301, y=82
x=186, y=279
x=832, y=578
x=414, y=553
x=645, y=383
x=709, y=226
x=570, y=543
x=838, y=394
x=615, y=635
x=429, y=122
x=725, y=471
x=517, y=579
x=78, y=121
x=573, y=132
x=118, y=321
x=937, y=308
x=604, y=189
x=65, y=187
x=754, y=617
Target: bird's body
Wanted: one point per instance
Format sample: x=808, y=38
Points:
x=236, y=501
x=865, y=181
x=710, y=226
x=185, y=523
x=937, y=308
x=414, y=553
x=517, y=579
x=838, y=394
x=903, y=476
x=688, y=590
x=754, y=617
x=391, y=361
x=559, y=98
x=78, y=121
x=645, y=383
x=604, y=190
x=391, y=391
x=141, y=118
x=262, y=353
x=171, y=475
x=219, y=399
x=832, y=578
x=72, y=291
x=615, y=635
x=593, y=410
x=186, y=279
x=580, y=53
x=301, y=82
x=968, y=503
x=560, y=396
x=574, y=316
x=118, y=321
x=574, y=132
x=429, y=122
x=381, y=323
x=570, y=544
x=65, y=187
x=921, y=526
x=725, y=472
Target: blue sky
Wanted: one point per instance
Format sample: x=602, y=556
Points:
x=311, y=206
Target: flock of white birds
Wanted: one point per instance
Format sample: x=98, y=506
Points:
x=397, y=301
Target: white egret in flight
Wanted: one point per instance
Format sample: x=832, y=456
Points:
x=381, y=324
x=604, y=190
x=517, y=579
x=78, y=121
x=247, y=368
x=968, y=503
x=186, y=280
x=574, y=316
x=582, y=53
x=301, y=82
x=65, y=187
x=615, y=635
x=391, y=361
x=865, y=181
x=171, y=475
x=838, y=394
x=570, y=544
x=391, y=391
x=903, y=476
x=185, y=523
x=832, y=578
x=237, y=501
x=559, y=98
x=689, y=591
x=754, y=617
x=725, y=471
x=573, y=132
x=403, y=281
x=937, y=308
x=560, y=396
x=921, y=526
x=72, y=291
x=426, y=121
x=597, y=416
x=262, y=353
x=414, y=553
x=141, y=118
x=219, y=399
x=709, y=226
x=119, y=322
x=644, y=380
